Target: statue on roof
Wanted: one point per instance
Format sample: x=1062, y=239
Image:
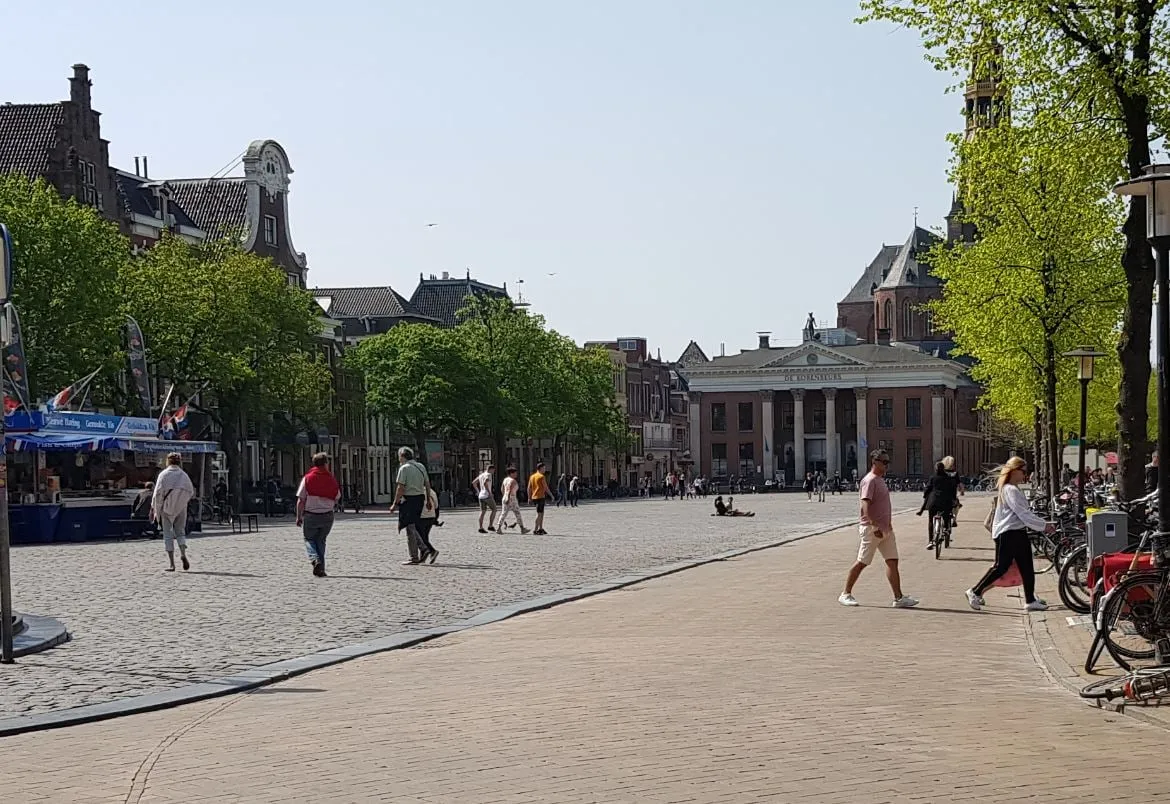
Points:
x=811, y=324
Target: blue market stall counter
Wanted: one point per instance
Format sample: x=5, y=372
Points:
x=89, y=514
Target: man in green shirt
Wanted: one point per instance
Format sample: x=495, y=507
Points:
x=411, y=494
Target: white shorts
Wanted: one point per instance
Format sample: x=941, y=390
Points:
x=887, y=545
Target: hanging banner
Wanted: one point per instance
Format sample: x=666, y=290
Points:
x=136, y=354
x=15, y=374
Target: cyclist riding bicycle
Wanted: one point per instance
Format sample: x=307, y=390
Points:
x=940, y=498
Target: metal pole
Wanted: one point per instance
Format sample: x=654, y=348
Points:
x=1081, y=448
x=6, y=613
x=1162, y=250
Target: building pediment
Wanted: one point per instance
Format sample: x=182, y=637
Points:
x=813, y=356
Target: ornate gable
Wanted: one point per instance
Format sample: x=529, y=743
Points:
x=813, y=355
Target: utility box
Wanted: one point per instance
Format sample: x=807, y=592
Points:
x=1108, y=532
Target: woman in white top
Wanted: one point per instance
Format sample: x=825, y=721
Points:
x=1013, y=520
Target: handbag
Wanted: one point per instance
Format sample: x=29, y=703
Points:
x=990, y=520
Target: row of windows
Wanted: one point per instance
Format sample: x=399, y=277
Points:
x=886, y=413
x=909, y=314
x=747, y=460
x=816, y=417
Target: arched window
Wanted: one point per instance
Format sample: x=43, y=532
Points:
x=907, y=321
x=927, y=322
x=888, y=315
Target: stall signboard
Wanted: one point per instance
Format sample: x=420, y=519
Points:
x=24, y=421
x=434, y=456
x=97, y=423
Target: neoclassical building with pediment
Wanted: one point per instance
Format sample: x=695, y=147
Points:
x=822, y=405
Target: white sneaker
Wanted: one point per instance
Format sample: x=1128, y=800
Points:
x=974, y=600
x=847, y=599
x=905, y=602
x=1037, y=605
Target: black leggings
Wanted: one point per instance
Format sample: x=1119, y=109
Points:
x=1012, y=545
x=946, y=512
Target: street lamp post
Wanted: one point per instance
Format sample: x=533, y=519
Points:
x=1085, y=356
x=1154, y=185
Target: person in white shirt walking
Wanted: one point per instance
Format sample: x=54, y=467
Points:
x=509, y=502
x=168, y=507
x=483, y=492
x=1013, y=519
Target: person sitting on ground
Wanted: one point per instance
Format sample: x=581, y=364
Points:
x=728, y=509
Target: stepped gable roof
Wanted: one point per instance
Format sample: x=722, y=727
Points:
x=872, y=276
x=906, y=270
x=135, y=195
x=28, y=135
x=217, y=206
x=441, y=299
x=366, y=302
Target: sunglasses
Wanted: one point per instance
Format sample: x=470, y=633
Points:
x=883, y=461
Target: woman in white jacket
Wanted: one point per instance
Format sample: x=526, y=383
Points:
x=172, y=491
x=1013, y=519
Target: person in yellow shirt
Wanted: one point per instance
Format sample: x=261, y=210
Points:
x=538, y=496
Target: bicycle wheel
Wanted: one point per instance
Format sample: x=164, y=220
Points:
x=936, y=535
x=1126, y=620
x=1042, y=549
x=1114, y=687
x=1074, y=592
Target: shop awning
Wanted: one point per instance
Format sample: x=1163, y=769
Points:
x=157, y=445
x=57, y=442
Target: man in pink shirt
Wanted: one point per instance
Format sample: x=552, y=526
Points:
x=877, y=534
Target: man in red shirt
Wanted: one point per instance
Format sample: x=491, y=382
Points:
x=877, y=534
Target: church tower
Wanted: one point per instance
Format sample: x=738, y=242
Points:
x=985, y=106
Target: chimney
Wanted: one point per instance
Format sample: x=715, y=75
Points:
x=145, y=168
x=723, y=350
x=79, y=86
x=883, y=337
x=446, y=275
x=765, y=340
x=137, y=167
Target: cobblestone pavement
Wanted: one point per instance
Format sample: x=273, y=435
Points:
x=250, y=600
x=734, y=682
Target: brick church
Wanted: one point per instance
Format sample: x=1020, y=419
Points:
x=881, y=378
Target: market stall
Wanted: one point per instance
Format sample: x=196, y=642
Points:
x=73, y=476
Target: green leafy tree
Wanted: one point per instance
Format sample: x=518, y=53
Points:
x=1103, y=66
x=426, y=380
x=65, y=284
x=226, y=322
x=1044, y=274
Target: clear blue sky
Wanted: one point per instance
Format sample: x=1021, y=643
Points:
x=687, y=168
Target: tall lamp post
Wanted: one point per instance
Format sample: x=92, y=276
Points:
x=1154, y=185
x=1085, y=355
x=7, y=625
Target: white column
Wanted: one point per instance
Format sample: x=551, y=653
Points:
x=863, y=448
x=768, y=427
x=799, y=467
x=831, y=451
x=936, y=422
x=694, y=398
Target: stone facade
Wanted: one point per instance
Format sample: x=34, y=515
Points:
x=816, y=407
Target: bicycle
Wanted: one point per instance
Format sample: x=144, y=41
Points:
x=1141, y=685
x=1135, y=613
x=940, y=529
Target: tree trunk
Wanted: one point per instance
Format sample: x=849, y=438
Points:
x=1038, y=447
x=1054, y=445
x=230, y=442
x=1133, y=349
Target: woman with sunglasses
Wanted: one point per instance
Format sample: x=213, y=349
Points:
x=1013, y=519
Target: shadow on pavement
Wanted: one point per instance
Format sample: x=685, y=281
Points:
x=280, y=690
x=223, y=574
x=372, y=578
